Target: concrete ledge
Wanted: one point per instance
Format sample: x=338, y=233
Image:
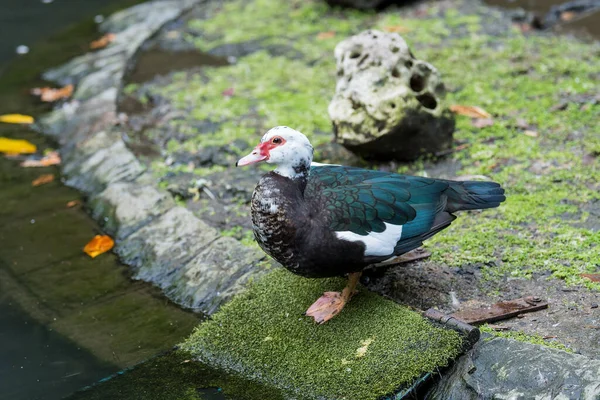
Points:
x=126, y=207
x=166, y=245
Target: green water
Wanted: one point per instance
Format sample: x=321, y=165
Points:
x=66, y=320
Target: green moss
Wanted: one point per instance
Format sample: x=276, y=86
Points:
x=545, y=176
x=524, y=337
x=262, y=333
x=173, y=377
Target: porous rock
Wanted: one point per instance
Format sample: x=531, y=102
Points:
x=388, y=104
x=499, y=368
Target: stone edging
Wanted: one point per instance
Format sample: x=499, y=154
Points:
x=165, y=244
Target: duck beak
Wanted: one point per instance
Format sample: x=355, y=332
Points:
x=252, y=158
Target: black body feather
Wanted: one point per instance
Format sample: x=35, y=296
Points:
x=296, y=220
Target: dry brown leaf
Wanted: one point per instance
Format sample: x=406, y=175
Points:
x=98, y=245
x=73, y=203
x=42, y=180
x=48, y=94
x=52, y=158
x=325, y=35
x=16, y=119
x=16, y=146
x=103, y=41
x=482, y=122
x=591, y=277
x=567, y=16
x=531, y=133
x=470, y=111
x=396, y=29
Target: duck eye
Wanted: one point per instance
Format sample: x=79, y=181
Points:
x=276, y=140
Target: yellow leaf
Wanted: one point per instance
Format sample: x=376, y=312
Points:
x=42, y=180
x=16, y=146
x=470, y=111
x=16, y=119
x=98, y=245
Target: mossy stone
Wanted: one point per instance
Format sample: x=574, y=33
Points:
x=373, y=348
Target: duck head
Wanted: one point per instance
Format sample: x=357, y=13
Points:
x=285, y=147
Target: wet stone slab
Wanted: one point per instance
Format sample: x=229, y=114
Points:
x=124, y=207
x=503, y=368
x=166, y=245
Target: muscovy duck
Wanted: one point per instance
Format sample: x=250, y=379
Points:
x=322, y=220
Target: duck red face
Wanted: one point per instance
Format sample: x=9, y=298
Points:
x=262, y=152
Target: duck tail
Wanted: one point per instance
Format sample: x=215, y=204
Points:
x=473, y=195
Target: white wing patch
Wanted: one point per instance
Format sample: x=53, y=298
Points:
x=376, y=243
x=318, y=164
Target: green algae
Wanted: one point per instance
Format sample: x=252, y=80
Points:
x=373, y=348
x=524, y=337
x=483, y=60
x=172, y=376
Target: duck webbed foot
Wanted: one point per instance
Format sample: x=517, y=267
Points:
x=331, y=303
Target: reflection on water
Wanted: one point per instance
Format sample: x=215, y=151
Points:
x=37, y=363
x=586, y=23
x=67, y=320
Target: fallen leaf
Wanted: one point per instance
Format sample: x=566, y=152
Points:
x=482, y=122
x=16, y=146
x=501, y=310
x=73, y=203
x=103, y=41
x=591, y=277
x=567, y=16
x=228, y=92
x=52, y=158
x=396, y=29
x=531, y=133
x=49, y=94
x=42, y=180
x=470, y=111
x=16, y=119
x=98, y=245
x=325, y=35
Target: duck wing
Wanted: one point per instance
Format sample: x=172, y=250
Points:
x=391, y=213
